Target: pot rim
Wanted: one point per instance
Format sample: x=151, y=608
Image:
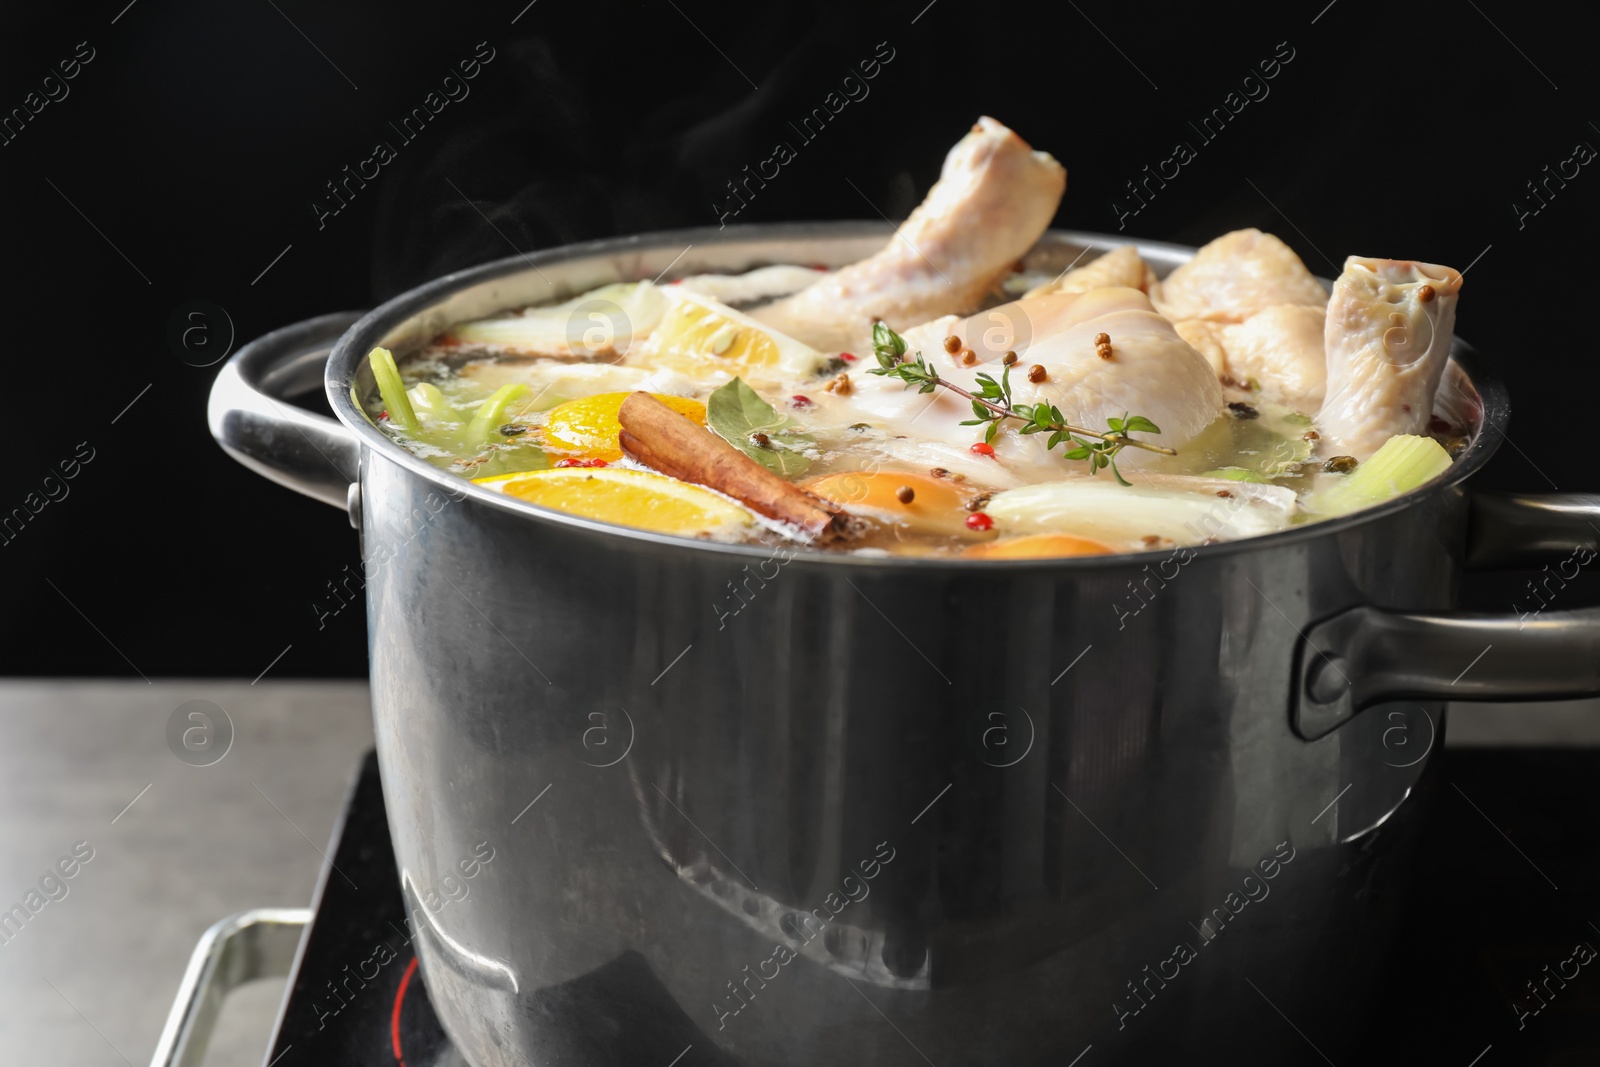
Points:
x=349, y=355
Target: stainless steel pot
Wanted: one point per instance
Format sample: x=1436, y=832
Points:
x=748, y=808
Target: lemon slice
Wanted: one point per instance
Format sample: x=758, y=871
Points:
x=589, y=426
x=626, y=497
x=697, y=335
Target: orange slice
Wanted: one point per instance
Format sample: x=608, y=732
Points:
x=588, y=427
x=936, y=506
x=641, y=499
x=1037, y=546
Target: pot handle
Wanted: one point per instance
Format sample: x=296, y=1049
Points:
x=309, y=453
x=1368, y=656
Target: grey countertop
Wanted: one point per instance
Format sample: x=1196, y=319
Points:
x=90, y=977
x=88, y=980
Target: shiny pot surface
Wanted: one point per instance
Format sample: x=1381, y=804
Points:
x=756, y=807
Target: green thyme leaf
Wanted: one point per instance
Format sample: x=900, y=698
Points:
x=887, y=345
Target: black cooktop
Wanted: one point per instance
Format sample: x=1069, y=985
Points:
x=1507, y=887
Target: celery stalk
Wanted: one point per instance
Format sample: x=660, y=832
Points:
x=492, y=412
x=392, y=389
x=1403, y=463
x=427, y=399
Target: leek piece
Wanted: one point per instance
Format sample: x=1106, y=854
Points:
x=491, y=414
x=392, y=389
x=1234, y=474
x=1403, y=463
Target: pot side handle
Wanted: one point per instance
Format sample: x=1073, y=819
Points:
x=309, y=453
x=1368, y=656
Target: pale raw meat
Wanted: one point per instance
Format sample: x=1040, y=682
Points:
x=993, y=200
x=1235, y=276
x=1153, y=372
x=1390, y=324
x=1206, y=339
x=1118, y=268
x=1281, y=347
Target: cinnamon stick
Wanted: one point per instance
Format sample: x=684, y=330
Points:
x=665, y=441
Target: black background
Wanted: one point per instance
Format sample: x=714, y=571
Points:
x=189, y=150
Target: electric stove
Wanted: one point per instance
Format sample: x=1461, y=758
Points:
x=1507, y=886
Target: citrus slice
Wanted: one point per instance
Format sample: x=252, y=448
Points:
x=698, y=335
x=1037, y=546
x=626, y=497
x=935, y=505
x=588, y=427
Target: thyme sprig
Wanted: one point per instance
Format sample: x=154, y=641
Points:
x=992, y=405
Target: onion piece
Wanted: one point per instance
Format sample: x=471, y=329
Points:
x=1100, y=509
x=602, y=323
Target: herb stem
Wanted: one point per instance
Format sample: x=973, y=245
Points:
x=1004, y=412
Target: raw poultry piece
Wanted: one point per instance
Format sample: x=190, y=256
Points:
x=993, y=200
x=1235, y=276
x=1279, y=347
x=1119, y=268
x=1152, y=372
x=1390, y=324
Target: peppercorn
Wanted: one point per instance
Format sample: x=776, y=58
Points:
x=511, y=429
x=1242, y=410
x=1102, y=339
x=1010, y=359
x=760, y=440
x=905, y=494
x=1425, y=293
x=983, y=449
x=1311, y=435
x=979, y=521
x=939, y=472
x=1340, y=465
x=952, y=344
x=1037, y=373
x=968, y=357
